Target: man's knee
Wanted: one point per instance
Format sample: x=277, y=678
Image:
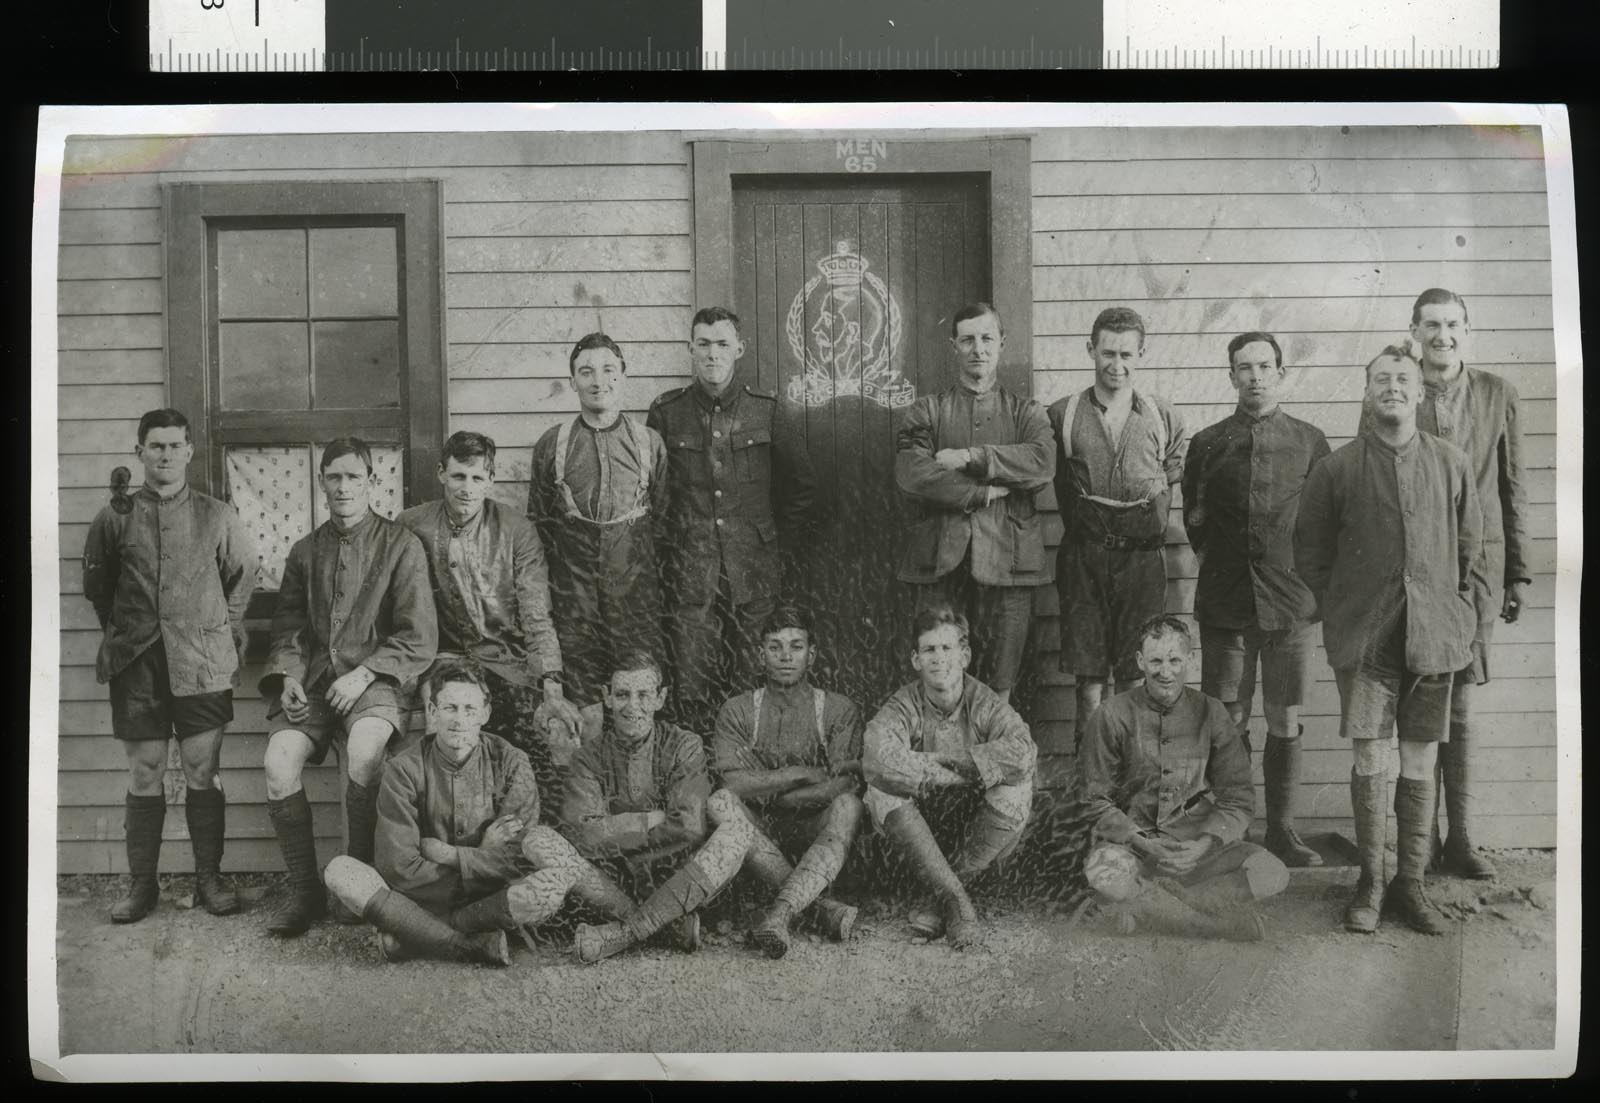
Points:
x=1112, y=870
x=1417, y=759
x=727, y=812
x=199, y=753
x=547, y=848
x=1266, y=874
x=352, y=881
x=1371, y=756
x=845, y=812
x=364, y=747
x=147, y=765
x=286, y=756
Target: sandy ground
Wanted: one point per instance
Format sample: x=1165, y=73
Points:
x=184, y=981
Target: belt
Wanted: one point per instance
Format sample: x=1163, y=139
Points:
x=1121, y=543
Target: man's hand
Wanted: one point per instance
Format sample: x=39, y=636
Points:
x=555, y=699
x=293, y=699
x=346, y=691
x=953, y=459
x=996, y=493
x=654, y=818
x=802, y=776
x=502, y=832
x=1181, y=858
x=439, y=852
x=1514, y=603
x=959, y=762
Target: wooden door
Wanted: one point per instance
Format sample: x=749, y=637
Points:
x=845, y=287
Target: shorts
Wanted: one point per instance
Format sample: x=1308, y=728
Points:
x=144, y=707
x=382, y=700
x=1228, y=659
x=1376, y=706
x=1106, y=594
x=970, y=831
x=1476, y=673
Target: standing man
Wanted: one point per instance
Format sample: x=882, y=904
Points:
x=354, y=629
x=949, y=768
x=169, y=571
x=1389, y=539
x=1241, y=490
x=597, y=488
x=970, y=460
x=1478, y=412
x=735, y=470
x=1120, y=453
x=491, y=595
x=792, y=753
x=1166, y=781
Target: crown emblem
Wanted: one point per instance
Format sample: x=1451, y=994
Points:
x=848, y=349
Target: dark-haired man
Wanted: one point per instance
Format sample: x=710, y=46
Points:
x=970, y=459
x=1389, y=539
x=792, y=753
x=491, y=595
x=354, y=629
x=1241, y=491
x=169, y=571
x=597, y=492
x=1480, y=413
x=1165, y=780
x=949, y=767
x=1120, y=451
x=737, y=472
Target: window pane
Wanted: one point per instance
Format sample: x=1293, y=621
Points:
x=387, y=495
x=354, y=272
x=357, y=364
x=265, y=366
x=271, y=489
x=261, y=273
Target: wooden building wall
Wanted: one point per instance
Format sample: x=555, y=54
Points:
x=548, y=237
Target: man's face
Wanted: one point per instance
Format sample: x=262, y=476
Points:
x=1162, y=661
x=1116, y=355
x=457, y=714
x=634, y=697
x=348, y=486
x=977, y=346
x=165, y=454
x=787, y=655
x=713, y=351
x=1394, y=386
x=597, y=377
x=1256, y=376
x=465, y=486
x=1441, y=331
x=941, y=658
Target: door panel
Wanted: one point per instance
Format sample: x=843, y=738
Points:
x=845, y=287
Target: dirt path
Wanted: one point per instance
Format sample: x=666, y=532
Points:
x=201, y=984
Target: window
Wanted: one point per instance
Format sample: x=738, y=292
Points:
x=300, y=312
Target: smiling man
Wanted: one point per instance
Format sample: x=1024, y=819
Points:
x=949, y=767
x=970, y=460
x=792, y=753
x=169, y=571
x=354, y=629
x=1241, y=490
x=1120, y=451
x=737, y=473
x=597, y=493
x=1480, y=413
x=1165, y=780
x=491, y=594
x=1389, y=539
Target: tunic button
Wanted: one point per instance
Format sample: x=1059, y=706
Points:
x=751, y=440
x=719, y=522
x=717, y=433
x=716, y=493
x=1407, y=576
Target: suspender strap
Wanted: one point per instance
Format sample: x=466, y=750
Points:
x=641, y=445
x=1070, y=414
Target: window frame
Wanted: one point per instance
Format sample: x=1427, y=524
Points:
x=416, y=207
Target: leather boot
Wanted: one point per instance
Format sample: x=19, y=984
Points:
x=492, y=913
x=1405, y=899
x=1280, y=767
x=361, y=822
x=772, y=936
x=836, y=918
x=1225, y=902
x=206, y=811
x=911, y=836
x=1369, y=797
x=142, y=822
x=1455, y=774
x=597, y=942
x=307, y=901
x=427, y=935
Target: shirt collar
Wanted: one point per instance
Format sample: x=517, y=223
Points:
x=1445, y=388
x=1142, y=696
x=613, y=738
x=790, y=696
x=149, y=493
x=1245, y=417
x=1137, y=404
x=613, y=427
x=966, y=695
x=727, y=400
x=469, y=526
x=362, y=527
x=442, y=760
x=1405, y=449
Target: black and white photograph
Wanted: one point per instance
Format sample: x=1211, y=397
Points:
x=616, y=590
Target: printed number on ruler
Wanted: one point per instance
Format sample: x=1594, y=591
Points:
x=188, y=36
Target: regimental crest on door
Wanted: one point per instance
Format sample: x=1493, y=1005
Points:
x=849, y=344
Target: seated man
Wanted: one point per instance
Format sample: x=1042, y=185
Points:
x=947, y=750
x=354, y=629
x=637, y=800
x=457, y=820
x=792, y=753
x=1165, y=780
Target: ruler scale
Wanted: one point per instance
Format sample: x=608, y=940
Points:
x=188, y=36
